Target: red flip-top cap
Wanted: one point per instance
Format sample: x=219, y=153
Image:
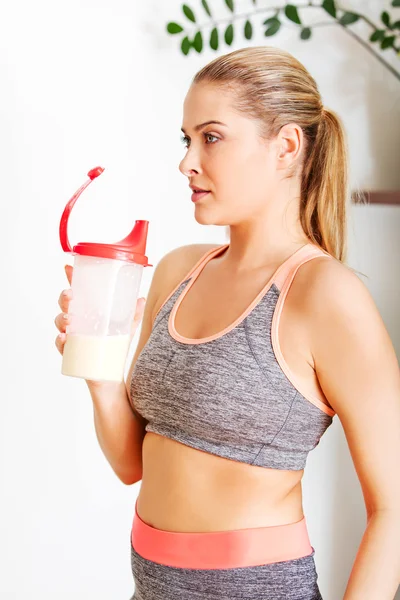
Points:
x=132, y=248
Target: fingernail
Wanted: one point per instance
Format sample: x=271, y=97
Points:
x=65, y=317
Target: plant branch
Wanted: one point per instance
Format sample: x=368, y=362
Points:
x=368, y=47
x=310, y=4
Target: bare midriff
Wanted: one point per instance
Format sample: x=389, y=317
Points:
x=186, y=489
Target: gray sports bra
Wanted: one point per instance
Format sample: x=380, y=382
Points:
x=231, y=394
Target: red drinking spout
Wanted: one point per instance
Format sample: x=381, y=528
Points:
x=132, y=248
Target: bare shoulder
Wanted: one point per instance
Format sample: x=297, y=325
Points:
x=338, y=288
x=329, y=301
x=324, y=283
x=340, y=316
x=173, y=267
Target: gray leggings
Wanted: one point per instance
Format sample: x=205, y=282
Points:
x=285, y=580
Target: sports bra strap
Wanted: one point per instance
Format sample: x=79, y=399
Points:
x=289, y=268
x=202, y=260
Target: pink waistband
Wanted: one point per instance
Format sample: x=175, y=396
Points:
x=221, y=549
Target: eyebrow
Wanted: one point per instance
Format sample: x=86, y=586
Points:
x=198, y=127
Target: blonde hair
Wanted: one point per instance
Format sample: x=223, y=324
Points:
x=274, y=88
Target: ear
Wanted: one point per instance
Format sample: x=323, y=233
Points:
x=289, y=145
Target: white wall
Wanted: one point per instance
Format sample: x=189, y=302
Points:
x=88, y=83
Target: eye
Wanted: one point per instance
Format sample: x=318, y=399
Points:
x=185, y=139
x=211, y=135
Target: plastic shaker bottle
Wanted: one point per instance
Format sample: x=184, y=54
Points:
x=105, y=287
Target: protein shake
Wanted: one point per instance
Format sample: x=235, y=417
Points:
x=105, y=287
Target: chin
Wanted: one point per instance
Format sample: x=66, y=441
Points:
x=208, y=215
x=204, y=217
x=203, y=220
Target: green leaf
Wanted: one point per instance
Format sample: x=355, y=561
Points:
x=377, y=36
x=330, y=7
x=229, y=4
x=396, y=3
x=273, y=28
x=214, y=39
x=348, y=18
x=254, y=2
x=270, y=20
x=185, y=46
x=305, y=33
x=396, y=25
x=385, y=18
x=187, y=11
x=292, y=13
x=198, y=42
x=388, y=42
x=248, y=30
x=206, y=7
x=174, y=28
x=229, y=35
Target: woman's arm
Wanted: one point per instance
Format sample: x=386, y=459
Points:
x=358, y=371
x=120, y=429
x=119, y=432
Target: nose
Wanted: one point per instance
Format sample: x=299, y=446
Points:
x=189, y=164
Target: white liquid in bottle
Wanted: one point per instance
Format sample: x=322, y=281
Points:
x=96, y=358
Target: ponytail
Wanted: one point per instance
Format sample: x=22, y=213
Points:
x=324, y=187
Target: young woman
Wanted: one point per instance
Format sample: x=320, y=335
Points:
x=248, y=350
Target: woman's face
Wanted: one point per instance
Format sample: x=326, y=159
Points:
x=230, y=160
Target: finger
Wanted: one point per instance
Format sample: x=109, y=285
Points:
x=61, y=321
x=60, y=342
x=140, y=304
x=64, y=299
x=68, y=271
x=138, y=314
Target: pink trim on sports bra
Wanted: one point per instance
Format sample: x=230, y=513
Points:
x=317, y=401
x=192, y=270
x=185, y=340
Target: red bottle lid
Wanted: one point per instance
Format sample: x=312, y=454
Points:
x=132, y=248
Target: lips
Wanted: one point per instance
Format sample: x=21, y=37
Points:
x=199, y=194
